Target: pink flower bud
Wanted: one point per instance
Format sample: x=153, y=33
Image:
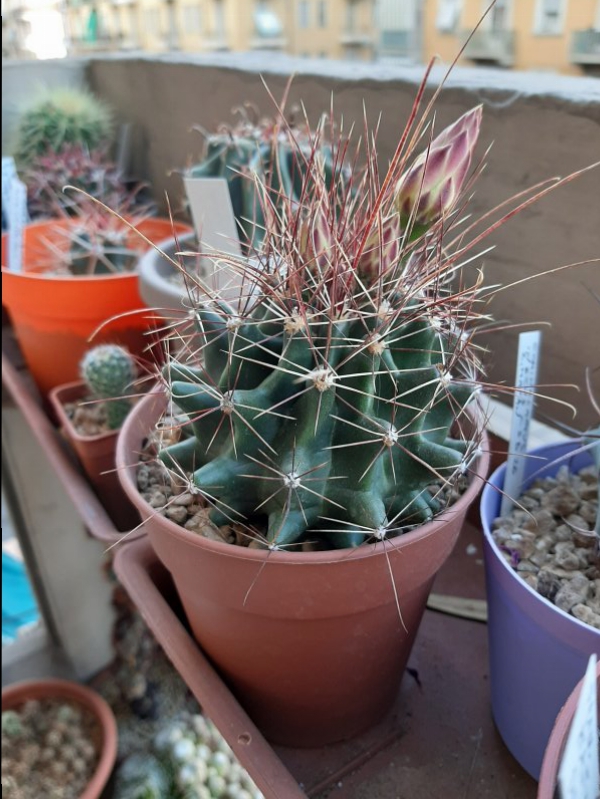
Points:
x=430, y=187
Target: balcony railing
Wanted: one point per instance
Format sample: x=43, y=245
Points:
x=215, y=41
x=357, y=36
x=585, y=47
x=261, y=41
x=494, y=46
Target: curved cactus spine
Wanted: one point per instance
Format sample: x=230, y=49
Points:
x=330, y=405
x=109, y=371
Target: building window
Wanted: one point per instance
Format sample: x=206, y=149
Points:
x=322, y=13
x=549, y=17
x=153, y=21
x=351, y=15
x=499, y=15
x=192, y=20
x=219, y=18
x=303, y=14
x=448, y=15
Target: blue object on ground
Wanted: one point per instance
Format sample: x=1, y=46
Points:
x=19, y=607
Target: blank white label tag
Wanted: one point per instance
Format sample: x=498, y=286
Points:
x=578, y=775
x=526, y=379
x=17, y=219
x=214, y=222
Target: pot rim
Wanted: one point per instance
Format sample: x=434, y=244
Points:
x=126, y=471
x=53, y=688
x=490, y=485
x=55, y=396
x=66, y=223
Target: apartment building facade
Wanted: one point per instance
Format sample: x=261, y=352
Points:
x=556, y=35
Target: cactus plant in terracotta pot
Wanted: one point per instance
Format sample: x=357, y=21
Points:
x=334, y=442
x=90, y=412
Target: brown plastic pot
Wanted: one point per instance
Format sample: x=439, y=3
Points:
x=313, y=643
x=54, y=315
x=97, y=457
x=15, y=695
x=558, y=739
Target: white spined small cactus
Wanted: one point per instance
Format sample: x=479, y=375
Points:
x=109, y=371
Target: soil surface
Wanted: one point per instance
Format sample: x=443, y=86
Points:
x=49, y=749
x=549, y=540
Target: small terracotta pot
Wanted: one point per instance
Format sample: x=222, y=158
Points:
x=54, y=315
x=97, y=456
x=313, y=643
x=15, y=695
x=558, y=739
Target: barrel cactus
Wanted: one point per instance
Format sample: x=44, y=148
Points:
x=109, y=371
x=260, y=151
x=64, y=116
x=329, y=407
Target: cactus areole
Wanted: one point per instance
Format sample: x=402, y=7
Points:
x=330, y=413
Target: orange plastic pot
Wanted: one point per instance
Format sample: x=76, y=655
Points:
x=54, y=315
x=19, y=693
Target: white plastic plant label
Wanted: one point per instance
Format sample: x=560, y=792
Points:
x=527, y=369
x=216, y=229
x=17, y=219
x=9, y=172
x=578, y=775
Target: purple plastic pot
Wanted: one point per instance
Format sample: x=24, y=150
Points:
x=537, y=651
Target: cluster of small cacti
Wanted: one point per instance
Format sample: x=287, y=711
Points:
x=47, y=750
x=109, y=372
x=262, y=151
x=190, y=760
x=62, y=117
x=330, y=404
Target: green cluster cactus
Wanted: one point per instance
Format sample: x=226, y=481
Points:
x=248, y=152
x=109, y=371
x=329, y=406
x=64, y=116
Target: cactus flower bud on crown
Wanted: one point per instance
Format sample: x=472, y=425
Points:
x=429, y=189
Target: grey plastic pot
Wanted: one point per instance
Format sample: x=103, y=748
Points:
x=537, y=651
x=157, y=285
x=171, y=299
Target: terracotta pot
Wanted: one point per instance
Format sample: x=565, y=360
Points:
x=313, y=643
x=54, y=316
x=97, y=457
x=17, y=694
x=558, y=739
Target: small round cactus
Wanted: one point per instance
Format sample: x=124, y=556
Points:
x=62, y=117
x=109, y=371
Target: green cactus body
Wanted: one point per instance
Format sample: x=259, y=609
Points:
x=59, y=118
x=109, y=371
x=341, y=432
